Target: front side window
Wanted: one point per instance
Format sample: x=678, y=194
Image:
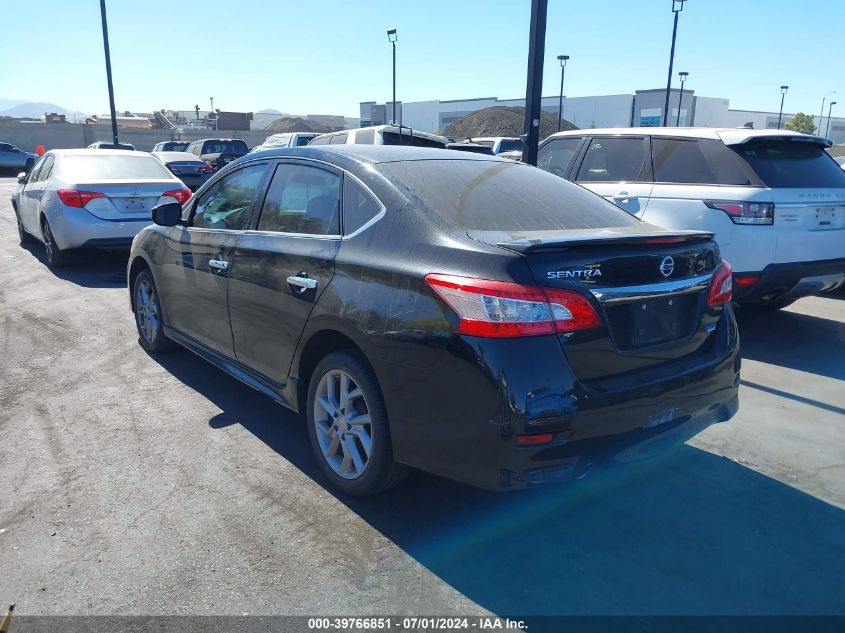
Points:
x=614, y=160
x=556, y=155
x=47, y=168
x=36, y=171
x=226, y=205
x=359, y=207
x=301, y=199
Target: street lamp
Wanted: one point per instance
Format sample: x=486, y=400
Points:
x=821, y=112
x=829, y=108
x=783, y=90
x=108, y=70
x=683, y=76
x=562, y=59
x=391, y=37
x=677, y=7
x=211, y=114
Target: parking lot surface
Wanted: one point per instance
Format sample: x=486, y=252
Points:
x=134, y=484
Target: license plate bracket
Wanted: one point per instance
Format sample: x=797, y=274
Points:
x=825, y=217
x=656, y=321
x=133, y=204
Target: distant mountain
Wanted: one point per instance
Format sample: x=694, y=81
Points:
x=269, y=111
x=35, y=109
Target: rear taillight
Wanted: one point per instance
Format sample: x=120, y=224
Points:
x=206, y=168
x=182, y=195
x=75, y=198
x=173, y=168
x=721, y=286
x=498, y=309
x=746, y=212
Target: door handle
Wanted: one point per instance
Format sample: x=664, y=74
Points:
x=218, y=264
x=623, y=195
x=302, y=283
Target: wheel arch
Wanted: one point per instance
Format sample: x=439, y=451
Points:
x=137, y=263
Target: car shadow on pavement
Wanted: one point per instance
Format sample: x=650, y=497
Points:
x=797, y=341
x=88, y=268
x=686, y=533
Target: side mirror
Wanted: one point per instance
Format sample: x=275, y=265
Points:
x=22, y=178
x=168, y=214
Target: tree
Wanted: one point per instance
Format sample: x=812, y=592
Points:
x=801, y=123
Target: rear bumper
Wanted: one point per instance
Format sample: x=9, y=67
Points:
x=76, y=228
x=193, y=182
x=463, y=415
x=792, y=281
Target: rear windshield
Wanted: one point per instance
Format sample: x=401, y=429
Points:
x=510, y=145
x=225, y=147
x=504, y=196
x=406, y=138
x=110, y=167
x=791, y=164
x=174, y=147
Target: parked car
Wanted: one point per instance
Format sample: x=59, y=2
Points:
x=475, y=148
x=774, y=199
x=15, y=160
x=462, y=314
x=104, y=145
x=218, y=152
x=192, y=171
x=840, y=160
x=77, y=198
x=381, y=135
x=287, y=139
x=501, y=144
x=171, y=146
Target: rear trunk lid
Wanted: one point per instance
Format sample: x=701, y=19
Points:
x=649, y=287
x=127, y=200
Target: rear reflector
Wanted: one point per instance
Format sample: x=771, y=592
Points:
x=74, y=198
x=746, y=280
x=499, y=309
x=182, y=195
x=534, y=440
x=721, y=286
x=746, y=212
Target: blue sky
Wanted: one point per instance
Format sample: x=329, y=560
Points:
x=325, y=56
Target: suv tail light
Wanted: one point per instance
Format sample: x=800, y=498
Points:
x=78, y=199
x=746, y=212
x=498, y=309
x=721, y=286
x=206, y=168
x=182, y=195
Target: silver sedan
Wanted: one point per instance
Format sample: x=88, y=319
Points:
x=81, y=198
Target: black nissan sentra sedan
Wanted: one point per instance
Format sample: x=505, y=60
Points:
x=462, y=314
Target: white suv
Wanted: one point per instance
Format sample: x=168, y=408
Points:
x=381, y=135
x=774, y=199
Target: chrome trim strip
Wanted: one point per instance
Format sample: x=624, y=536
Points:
x=650, y=291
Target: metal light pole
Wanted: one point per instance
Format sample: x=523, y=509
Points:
x=821, y=112
x=683, y=76
x=677, y=7
x=534, y=84
x=211, y=113
x=829, y=108
x=783, y=90
x=562, y=59
x=108, y=71
x=392, y=37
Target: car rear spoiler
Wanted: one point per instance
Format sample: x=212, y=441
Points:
x=526, y=246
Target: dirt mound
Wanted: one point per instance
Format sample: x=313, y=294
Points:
x=292, y=124
x=502, y=121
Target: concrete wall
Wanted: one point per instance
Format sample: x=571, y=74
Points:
x=27, y=136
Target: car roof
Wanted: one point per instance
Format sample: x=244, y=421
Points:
x=98, y=152
x=730, y=136
x=391, y=128
x=368, y=154
x=495, y=138
x=171, y=156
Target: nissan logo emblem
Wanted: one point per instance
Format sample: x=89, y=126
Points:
x=667, y=266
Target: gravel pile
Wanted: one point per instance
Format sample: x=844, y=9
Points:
x=502, y=121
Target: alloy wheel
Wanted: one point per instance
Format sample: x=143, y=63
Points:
x=342, y=422
x=146, y=310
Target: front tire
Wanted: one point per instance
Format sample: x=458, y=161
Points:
x=25, y=238
x=56, y=257
x=348, y=427
x=148, y=319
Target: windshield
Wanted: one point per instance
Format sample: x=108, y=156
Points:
x=791, y=164
x=510, y=145
x=303, y=140
x=112, y=167
x=225, y=147
x=504, y=196
x=175, y=146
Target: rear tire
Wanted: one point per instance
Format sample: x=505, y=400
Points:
x=56, y=257
x=147, y=308
x=348, y=427
x=767, y=306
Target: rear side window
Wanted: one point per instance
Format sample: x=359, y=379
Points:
x=614, y=160
x=110, y=167
x=302, y=200
x=556, y=155
x=504, y=196
x=359, y=207
x=227, y=203
x=791, y=164
x=696, y=161
x=365, y=137
x=320, y=140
